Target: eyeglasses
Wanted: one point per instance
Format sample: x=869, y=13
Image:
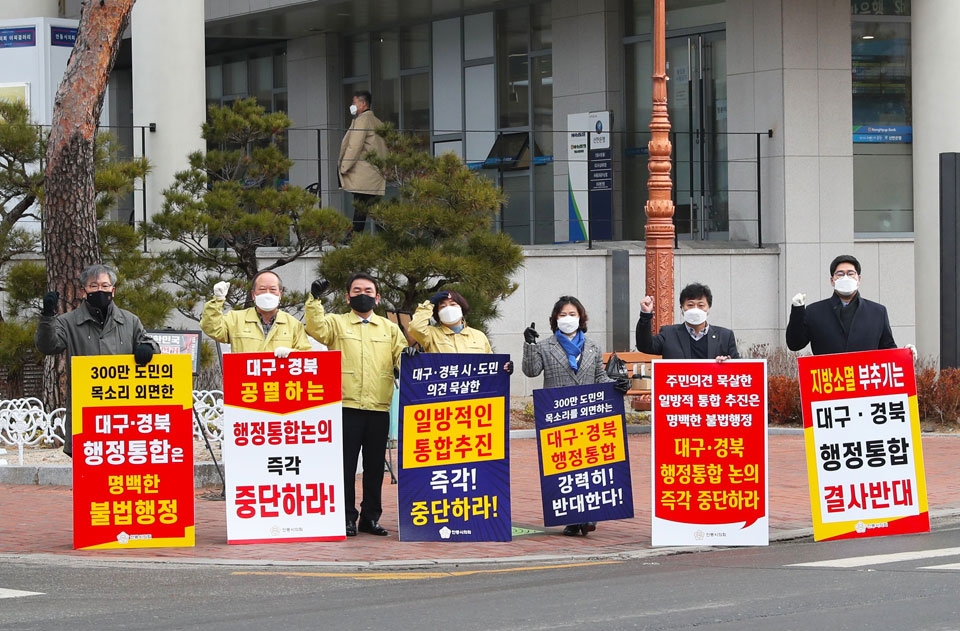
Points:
x=101, y=286
x=840, y=274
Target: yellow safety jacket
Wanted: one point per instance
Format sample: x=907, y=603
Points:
x=369, y=353
x=442, y=339
x=243, y=331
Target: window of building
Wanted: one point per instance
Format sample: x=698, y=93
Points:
x=882, y=118
x=259, y=72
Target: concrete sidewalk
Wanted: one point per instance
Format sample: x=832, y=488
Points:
x=37, y=520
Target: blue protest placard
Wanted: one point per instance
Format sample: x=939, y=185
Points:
x=454, y=455
x=584, y=461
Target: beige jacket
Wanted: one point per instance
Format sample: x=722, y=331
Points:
x=356, y=174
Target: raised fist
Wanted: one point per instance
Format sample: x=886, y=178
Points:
x=646, y=305
x=530, y=335
x=318, y=287
x=220, y=290
x=50, y=301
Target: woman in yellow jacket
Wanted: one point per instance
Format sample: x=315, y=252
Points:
x=451, y=333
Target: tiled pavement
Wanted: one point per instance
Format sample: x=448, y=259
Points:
x=38, y=519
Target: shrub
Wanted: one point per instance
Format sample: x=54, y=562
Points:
x=783, y=400
x=938, y=393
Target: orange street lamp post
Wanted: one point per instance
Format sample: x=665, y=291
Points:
x=659, y=208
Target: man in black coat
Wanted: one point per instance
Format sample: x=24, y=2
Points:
x=695, y=338
x=843, y=323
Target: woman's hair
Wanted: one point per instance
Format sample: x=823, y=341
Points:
x=457, y=298
x=561, y=303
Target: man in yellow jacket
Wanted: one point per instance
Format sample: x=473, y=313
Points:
x=370, y=348
x=260, y=328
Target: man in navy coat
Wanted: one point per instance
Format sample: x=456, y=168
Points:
x=695, y=338
x=844, y=322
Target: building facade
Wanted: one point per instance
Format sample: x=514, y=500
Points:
x=802, y=129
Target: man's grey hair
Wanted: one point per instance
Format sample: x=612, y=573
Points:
x=253, y=283
x=94, y=272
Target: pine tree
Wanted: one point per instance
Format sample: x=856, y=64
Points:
x=232, y=203
x=434, y=234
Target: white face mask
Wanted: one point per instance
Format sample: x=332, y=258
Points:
x=353, y=110
x=568, y=324
x=846, y=286
x=694, y=316
x=267, y=302
x=451, y=314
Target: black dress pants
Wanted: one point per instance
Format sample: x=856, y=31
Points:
x=364, y=431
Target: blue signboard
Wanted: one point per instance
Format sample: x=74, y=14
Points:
x=584, y=460
x=883, y=133
x=18, y=37
x=63, y=36
x=454, y=454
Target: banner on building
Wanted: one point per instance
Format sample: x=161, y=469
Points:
x=584, y=460
x=132, y=452
x=454, y=462
x=282, y=447
x=862, y=432
x=709, y=453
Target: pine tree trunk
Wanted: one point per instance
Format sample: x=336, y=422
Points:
x=69, y=204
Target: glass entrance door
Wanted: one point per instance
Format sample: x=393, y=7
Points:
x=697, y=102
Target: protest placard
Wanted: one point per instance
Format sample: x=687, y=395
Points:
x=133, y=452
x=454, y=463
x=862, y=431
x=282, y=447
x=584, y=460
x=709, y=466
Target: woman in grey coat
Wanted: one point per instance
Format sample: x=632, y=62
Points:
x=567, y=358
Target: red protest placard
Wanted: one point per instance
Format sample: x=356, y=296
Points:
x=862, y=432
x=283, y=447
x=709, y=453
x=132, y=452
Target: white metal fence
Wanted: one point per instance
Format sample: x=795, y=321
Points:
x=24, y=422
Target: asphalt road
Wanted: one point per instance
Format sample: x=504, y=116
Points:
x=843, y=585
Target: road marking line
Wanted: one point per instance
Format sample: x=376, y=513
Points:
x=16, y=593
x=948, y=566
x=878, y=559
x=419, y=576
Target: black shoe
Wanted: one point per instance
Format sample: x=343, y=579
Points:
x=351, y=528
x=573, y=530
x=372, y=527
x=590, y=526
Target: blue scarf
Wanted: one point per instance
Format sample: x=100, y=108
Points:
x=573, y=348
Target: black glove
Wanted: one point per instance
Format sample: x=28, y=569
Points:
x=143, y=353
x=621, y=385
x=440, y=295
x=318, y=287
x=411, y=351
x=530, y=334
x=508, y=368
x=50, y=300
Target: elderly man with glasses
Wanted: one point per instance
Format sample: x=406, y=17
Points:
x=96, y=327
x=844, y=322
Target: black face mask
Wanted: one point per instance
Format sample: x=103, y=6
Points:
x=362, y=303
x=99, y=300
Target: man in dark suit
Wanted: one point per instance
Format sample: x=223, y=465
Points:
x=843, y=323
x=695, y=338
